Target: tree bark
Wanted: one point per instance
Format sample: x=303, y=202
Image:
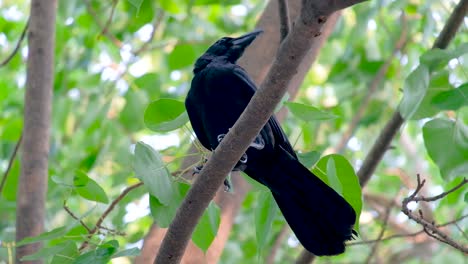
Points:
x=32, y=186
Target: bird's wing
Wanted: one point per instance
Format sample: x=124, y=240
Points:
x=272, y=124
x=196, y=122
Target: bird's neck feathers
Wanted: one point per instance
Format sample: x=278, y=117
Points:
x=206, y=59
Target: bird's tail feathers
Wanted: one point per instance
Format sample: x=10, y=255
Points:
x=320, y=217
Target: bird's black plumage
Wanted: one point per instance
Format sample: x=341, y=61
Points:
x=321, y=219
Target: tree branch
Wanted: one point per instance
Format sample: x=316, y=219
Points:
x=10, y=163
x=429, y=227
x=17, y=47
x=107, y=212
x=261, y=107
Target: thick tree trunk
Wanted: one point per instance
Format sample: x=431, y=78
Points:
x=35, y=146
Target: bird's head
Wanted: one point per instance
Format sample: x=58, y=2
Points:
x=230, y=49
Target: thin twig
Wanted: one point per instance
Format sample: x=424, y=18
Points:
x=283, y=18
x=106, y=26
x=429, y=227
x=278, y=242
x=10, y=163
x=156, y=23
x=107, y=212
x=67, y=209
x=453, y=222
x=382, y=232
x=440, y=196
x=17, y=47
x=95, y=16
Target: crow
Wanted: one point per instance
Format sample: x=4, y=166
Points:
x=320, y=218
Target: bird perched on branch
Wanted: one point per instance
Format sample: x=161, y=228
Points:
x=321, y=218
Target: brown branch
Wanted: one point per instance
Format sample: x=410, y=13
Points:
x=283, y=233
x=305, y=257
x=67, y=209
x=429, y=227
x=382, y=232
x=17, y=47
x=10, y=163
x=156, y=23
x=107, y=212
x=256, y=114
x=95, y=16
x=284, y=18
x=453, y=24
x=105, y=28
x=372, y=88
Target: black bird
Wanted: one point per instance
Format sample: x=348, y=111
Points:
x=321, y=218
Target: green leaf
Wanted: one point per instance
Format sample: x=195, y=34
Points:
x=136, y=4
x=101, y=255
x=453, y=99
x=308, y=159
x=54, y=233
x=67, y=255
x=131, y=115
x=414, y=89
x=182, y=55
x=264, y=215
x=309, y=113
x=439, y=83
x=447, y=145
x=88, y=188
x=165, y=115
x=45, y=252
x=207, y=227
x=161, y=213
x=131, y=252
x=151, y=170
x=437, y=58
x=338, y=173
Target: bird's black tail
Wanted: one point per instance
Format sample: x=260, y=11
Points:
x=321, y=218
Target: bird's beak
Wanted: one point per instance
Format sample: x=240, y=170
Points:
x=245, y=40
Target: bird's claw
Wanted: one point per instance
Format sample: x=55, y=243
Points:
x=227, y=185
x=198, y=168
x=258, y=143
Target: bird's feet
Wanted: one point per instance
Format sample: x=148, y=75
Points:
x=198, y=168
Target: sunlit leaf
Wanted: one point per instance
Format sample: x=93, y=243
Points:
x=309, y=113
x=54, y=233
x=101, y=255
x=415, y=89
x=452, y=99
x=165, y=115
x=338, y=173
x=51, y=251
x=88, y=188
x=447, y=145
x=264, y=214
x=207, y=227
x=151, y=170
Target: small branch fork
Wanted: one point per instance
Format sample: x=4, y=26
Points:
x=430, y=228
x=109, y=209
